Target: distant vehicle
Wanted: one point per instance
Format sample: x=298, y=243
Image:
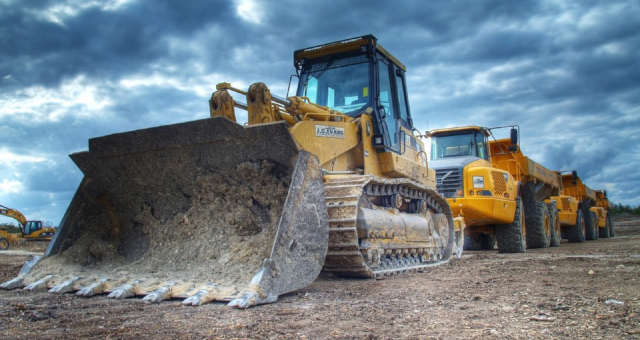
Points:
x=29, y=230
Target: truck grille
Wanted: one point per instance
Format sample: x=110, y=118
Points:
x=499, y=185
x=448, y=181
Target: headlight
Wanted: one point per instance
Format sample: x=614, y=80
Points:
x=478, y=182
x=506, y=177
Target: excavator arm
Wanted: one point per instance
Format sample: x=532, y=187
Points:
x=15, y=214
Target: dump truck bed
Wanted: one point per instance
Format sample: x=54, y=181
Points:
x=510, y=158
x=573, y=186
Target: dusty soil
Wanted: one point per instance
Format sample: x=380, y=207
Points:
x=588, y=290
x=230, y=223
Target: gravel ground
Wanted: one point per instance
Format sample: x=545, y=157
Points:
x=587, y=290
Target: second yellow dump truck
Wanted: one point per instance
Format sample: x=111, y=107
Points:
x=485, y=196
x=577, y=221
x=537, y=185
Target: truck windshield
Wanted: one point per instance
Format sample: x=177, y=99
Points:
x=341, y=84
x=462, y=144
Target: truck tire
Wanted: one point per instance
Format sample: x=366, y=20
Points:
x=576, y=232
x=479, y=242
x=538, y=226
x=511, y=237
x=592, y=226
x=556, y=232
x=472, y=242
x=4, y=243
x=588, y=222
x=610, y=224
x=604, y=232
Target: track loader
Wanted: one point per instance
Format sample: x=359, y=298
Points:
x=333, y=178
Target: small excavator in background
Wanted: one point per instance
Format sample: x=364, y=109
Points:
x=29, y=230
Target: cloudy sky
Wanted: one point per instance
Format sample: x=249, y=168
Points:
x=567, y=71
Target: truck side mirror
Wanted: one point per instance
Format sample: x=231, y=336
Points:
x=514, y=136
x=575, y=174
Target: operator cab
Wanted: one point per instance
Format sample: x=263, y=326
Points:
x=32, y=226
x=459, y=142
x=355, y=76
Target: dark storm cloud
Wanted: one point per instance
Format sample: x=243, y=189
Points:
x=96, y=42
x=567, y=72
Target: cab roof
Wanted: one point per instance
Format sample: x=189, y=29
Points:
x=341, y=46
x=481, y=129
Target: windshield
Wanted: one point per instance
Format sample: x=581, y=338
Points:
x=341, y=84
x=464, y=144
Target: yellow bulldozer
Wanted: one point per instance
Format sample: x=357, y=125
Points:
x=333, y=178
x=29, y=230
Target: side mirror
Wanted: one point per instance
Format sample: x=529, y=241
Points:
x=514, y=136
x=575, y=174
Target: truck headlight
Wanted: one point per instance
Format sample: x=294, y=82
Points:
x=478, y=182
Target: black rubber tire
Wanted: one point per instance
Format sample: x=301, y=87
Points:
x=472, y=242
x=610, y=223
x=479, y=242
x=4, y=243
x=510, y=236
x=592, y=226
x=538, y=226
x=556, y=232
x=604, y=232
x=576, y=232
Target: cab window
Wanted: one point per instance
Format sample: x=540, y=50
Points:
x=386, y=101
x=402, y=103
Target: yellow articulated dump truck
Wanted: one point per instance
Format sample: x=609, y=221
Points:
x=332, y=178
x=577, y=221
x=486, y=197
x=537, y=185
x=603, y=216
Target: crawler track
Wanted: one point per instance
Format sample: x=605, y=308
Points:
x=353, y=252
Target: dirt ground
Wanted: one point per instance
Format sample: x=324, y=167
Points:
x=588, y=290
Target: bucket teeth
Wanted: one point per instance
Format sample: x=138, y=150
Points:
x=14, y=283
x=92, y=289
x=159, y=294
x=64, y=287
x=124, y=291
x=202, y=296
x=40, y=284
x=251, y=298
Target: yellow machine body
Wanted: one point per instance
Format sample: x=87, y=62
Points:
x=476, y=206
x=484, y=195
x=567, y=209
x=29, y=230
